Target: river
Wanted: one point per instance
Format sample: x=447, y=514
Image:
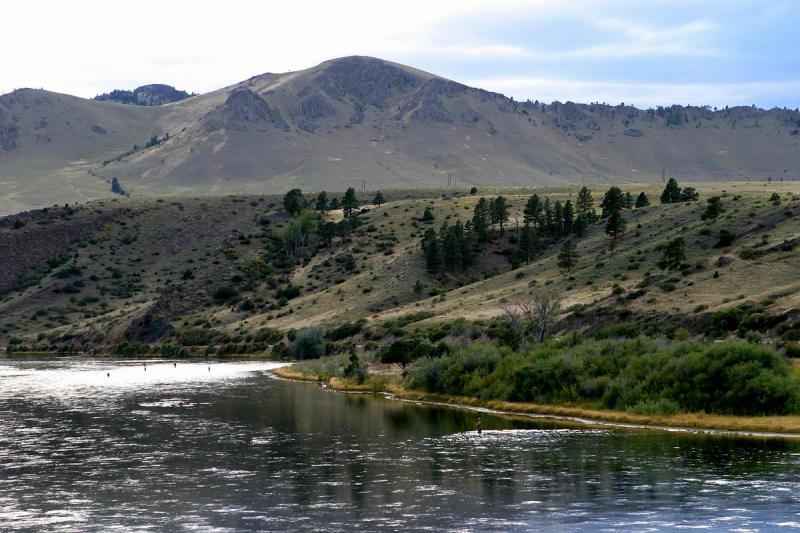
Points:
x=109, y=445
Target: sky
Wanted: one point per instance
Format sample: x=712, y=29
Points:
x=645, y=53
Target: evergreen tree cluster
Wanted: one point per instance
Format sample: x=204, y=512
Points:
x=673, y=193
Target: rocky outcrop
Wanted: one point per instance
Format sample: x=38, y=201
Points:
x=311, y=110
x=244, y=107
x=370, y=81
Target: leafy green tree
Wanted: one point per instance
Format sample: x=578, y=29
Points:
x=674, y=254
x=379, y=199
x=480, y=220
x=671, y=193
x=294, y=201
x=713, y=209
x=568, y=256
x=322, y=201
x=309, y=343
x=349, y=202
x=642, y=200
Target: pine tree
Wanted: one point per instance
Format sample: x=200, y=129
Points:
x=568, y=214
x=334, y=204
x=674, y=254
x=713, y=209
x=480, y=220
x=613, y=201
x=672, y=192
x=349, y=202
x=628, y=200
x=568, y=256
x=689, y=194
x=615, y=224
x=558, y=218
x=547, y=216
x=528, y=243
x=322, y=201
x=500, y=213
x=432, y=251
x=326, y=233
x=379, y=199
x=533, y=211
x=581, y=224
x=585, y=204
x=427, y=215
x=642, y=200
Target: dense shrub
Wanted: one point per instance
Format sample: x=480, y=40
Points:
x=309, y=343
x=404, y=351
x=640, y=375
x=348, y=329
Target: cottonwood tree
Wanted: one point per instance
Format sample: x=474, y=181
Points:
x=294, y=201
x=535, y=314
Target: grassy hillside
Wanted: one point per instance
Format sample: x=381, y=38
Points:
x=204, y=272
x=358, y=118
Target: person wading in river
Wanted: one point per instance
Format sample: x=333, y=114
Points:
x=479, y=426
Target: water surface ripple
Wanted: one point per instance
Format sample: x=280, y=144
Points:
x=126, y=446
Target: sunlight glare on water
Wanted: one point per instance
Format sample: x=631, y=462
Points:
x=105, y=445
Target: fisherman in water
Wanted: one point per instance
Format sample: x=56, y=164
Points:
x=479, y=426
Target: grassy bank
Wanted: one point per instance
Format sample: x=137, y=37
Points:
x=788, y=424
x=732, y=385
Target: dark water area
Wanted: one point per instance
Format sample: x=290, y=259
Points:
x=109, y=446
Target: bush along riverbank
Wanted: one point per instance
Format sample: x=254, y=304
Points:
x=731, y=385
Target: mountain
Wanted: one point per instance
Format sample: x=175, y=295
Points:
x=361, y=118
x=155, y=94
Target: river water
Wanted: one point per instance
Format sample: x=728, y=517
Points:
x=104, y=445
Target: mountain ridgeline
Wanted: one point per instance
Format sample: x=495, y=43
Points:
x=361, y=118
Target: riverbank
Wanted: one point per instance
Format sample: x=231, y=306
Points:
x=787, y=426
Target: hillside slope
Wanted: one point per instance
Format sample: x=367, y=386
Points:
x=361, y=118
x=162, y=271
